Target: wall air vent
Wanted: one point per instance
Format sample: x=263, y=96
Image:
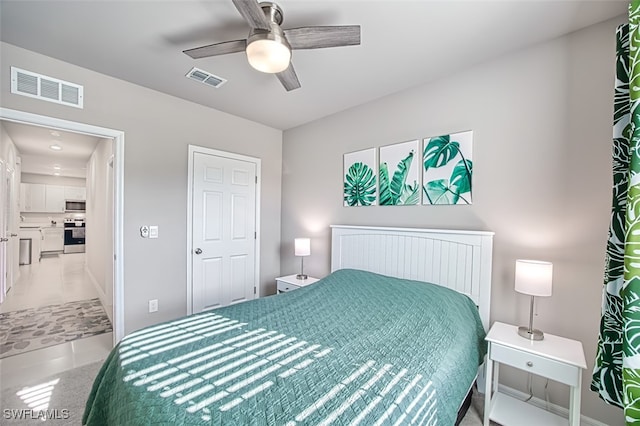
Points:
x=50, y=89
x=206, y=77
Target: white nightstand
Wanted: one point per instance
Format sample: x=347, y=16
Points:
x=556, y=358
x=290, y=282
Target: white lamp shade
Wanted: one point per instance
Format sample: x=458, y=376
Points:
x=270, y=56
x=534, y=277
x=302, y=246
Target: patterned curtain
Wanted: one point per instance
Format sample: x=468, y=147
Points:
x=616, y=376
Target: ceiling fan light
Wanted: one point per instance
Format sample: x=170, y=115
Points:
x=270, y=56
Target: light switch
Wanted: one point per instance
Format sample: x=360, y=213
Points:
x=153, y=231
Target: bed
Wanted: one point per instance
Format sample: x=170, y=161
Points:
x=394, y=335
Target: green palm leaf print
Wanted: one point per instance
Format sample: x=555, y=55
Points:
x=396, y=191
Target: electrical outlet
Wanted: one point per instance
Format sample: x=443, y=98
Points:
x=144, y=231
x=153, y=305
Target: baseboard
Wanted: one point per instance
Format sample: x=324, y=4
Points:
x=101, y=294
x=554, y=408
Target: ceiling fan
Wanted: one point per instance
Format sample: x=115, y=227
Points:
x=268, y=46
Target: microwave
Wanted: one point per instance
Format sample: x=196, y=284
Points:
x=71, y=206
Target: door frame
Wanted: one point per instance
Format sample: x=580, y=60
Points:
x=11, y=273
x=209, y=151
x=118, y=196
x=4, y=249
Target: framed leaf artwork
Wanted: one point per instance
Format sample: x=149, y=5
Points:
x=360, y=179
x=447, y=169
x=400, y=174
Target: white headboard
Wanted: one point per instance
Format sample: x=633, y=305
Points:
x=457, y=259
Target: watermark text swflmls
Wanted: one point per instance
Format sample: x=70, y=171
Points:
x=26, y=414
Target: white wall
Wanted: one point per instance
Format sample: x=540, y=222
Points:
x=158, y=129
x=542, y=155
x=52, y=180
x=99, y=220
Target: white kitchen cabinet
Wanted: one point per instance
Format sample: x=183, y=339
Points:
x=41, y=198
x=54, y=200
x=75, y=193
x=52, y=239
x=32, y=197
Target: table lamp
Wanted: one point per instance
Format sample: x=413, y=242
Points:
x=302, y=249
x=533, y=277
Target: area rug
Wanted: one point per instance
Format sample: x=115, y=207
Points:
x=31, y=329
x=60, y=398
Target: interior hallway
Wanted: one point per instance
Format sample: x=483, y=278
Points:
x=54, y=280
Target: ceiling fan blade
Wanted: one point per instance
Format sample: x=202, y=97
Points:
x=252, y=13
x=289, y=79
x=217, y=49
x=320, y=37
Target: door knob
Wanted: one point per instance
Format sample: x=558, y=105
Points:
x=198, y=251
x=13, y=235
x=2, y=239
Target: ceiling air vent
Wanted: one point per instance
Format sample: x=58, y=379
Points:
x=206, y=77
x=50, y=89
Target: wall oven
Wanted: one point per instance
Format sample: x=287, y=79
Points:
x=74, y=235
x=74, y=206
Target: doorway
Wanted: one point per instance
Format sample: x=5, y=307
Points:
x=223, y=229
x=118, y=184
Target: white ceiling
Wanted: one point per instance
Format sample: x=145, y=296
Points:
x=404, y=44
x=33, y=144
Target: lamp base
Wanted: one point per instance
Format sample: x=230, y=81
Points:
x=532, y=334
x=302, y=276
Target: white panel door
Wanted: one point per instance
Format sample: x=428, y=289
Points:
x=224, y=227
x=11, y=228
x=4, y=236
x=75, y=193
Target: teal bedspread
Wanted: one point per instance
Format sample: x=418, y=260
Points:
x=354, y=348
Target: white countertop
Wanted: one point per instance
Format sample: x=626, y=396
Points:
x=34, y=225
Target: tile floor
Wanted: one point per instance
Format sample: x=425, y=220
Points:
x=53, y=280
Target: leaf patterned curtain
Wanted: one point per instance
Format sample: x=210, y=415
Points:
x=616, y=376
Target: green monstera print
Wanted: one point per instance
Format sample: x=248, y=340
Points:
x=616, y=375
x=359, y=185
x=439, y=152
